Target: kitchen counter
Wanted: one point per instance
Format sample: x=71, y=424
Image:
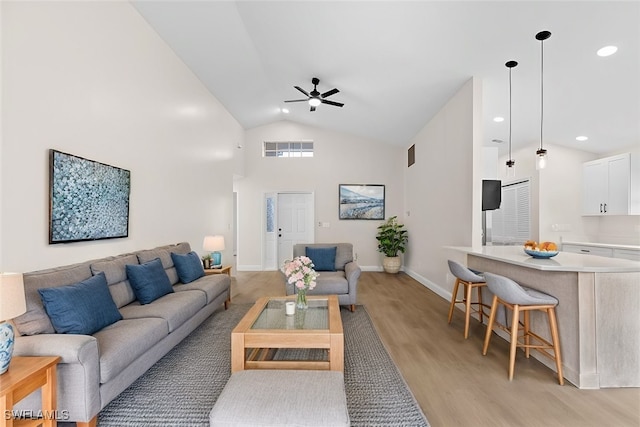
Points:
x=564, y=261
x=599, y=302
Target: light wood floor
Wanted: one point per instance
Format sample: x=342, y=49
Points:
x=453, y=383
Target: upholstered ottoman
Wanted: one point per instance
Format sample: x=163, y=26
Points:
x=282, y=398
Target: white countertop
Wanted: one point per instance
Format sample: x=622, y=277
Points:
x=604, y=245
x=564, y=261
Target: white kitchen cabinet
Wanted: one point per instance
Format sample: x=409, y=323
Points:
x=610, y=186
x=610, y=251
x=626, y=254
x=587, y=250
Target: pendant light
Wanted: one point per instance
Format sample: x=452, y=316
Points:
x=511, y=164
x=541, y=154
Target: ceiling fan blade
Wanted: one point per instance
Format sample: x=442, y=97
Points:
x=329, y=93
x=297, y=100
x=312, y=108
x=302, y=90
x=336, y=104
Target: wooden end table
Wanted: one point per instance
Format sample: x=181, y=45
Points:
x=225, y=269
x=26, y=375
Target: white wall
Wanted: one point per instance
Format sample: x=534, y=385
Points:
x=92, y=79
x=444, y=187
x=338, y=159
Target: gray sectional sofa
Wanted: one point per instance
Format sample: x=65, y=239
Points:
x=96, y=368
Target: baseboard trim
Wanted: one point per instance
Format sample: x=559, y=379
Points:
x=444, y=293
x=371, y=268
x=249, y=268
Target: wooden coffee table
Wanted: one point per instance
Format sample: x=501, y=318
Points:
x=266, y=328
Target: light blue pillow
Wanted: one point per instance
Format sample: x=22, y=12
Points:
x=82, y=308
x=324, y=259
x=149, y=280
x=188, y=266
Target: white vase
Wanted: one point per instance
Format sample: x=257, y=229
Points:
x=391, y=264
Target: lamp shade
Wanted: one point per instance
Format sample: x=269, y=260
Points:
x=213, y=243
x=12, y=300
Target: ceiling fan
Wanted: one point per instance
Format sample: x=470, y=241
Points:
x=315, y=98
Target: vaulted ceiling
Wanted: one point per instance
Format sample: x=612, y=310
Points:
x=396, y=63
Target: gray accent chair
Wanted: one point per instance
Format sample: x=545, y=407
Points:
x=343, y=282
x=522, y=299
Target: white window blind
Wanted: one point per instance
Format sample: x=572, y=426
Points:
x=510, y=225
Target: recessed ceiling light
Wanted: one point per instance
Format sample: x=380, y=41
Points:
x=607, y=50
x=285, y=110
x=498, y=119
x=581, y=138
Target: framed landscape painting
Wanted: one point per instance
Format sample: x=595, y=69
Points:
x=361, y=201
x=88, y=200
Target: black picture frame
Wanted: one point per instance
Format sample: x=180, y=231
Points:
x=361, y=201
x=88, y=200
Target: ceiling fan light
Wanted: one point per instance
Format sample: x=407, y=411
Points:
x=607, y=51
x=314, y=102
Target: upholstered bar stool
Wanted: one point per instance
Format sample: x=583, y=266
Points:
x=470, y=280
x=522, y=299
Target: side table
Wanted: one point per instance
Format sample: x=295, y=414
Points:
x=225, y=269
x=26, y=375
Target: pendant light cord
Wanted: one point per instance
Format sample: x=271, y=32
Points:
x=541, y=89
x=509, y=113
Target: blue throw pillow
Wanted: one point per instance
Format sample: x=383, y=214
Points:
x=188, y=266
x=149, y=280
x=324, y=259
x=82, y=308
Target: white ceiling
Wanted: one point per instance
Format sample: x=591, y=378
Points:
x=396, y=64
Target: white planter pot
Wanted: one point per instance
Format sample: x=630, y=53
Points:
x=391, y=264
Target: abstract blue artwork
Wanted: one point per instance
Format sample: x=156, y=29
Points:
x=88, y=200
x=361, y=201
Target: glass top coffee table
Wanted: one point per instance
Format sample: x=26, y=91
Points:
x=266, y=328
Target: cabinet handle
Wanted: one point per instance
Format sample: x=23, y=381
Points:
x=585, y=250
x=605, y=208
x=600, y=207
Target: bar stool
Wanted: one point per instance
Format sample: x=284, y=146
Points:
x=470, y=280
x=521, y=299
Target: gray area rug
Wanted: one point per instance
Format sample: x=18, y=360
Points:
x=182, y=387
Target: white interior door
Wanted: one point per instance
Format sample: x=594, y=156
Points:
x=295, y=222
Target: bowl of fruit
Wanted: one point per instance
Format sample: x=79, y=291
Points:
x=540, y=250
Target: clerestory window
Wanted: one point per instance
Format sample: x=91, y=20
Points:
x=288, y=149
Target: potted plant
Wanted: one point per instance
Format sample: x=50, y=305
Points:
x=206, y=261
x=392, y=238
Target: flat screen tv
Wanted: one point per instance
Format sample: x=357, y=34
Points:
x=88, y=200
x=491, y=194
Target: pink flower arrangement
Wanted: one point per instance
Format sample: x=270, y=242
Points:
x=300, y=273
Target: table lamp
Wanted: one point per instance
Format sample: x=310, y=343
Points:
x=215, y=244
x=12, y=304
